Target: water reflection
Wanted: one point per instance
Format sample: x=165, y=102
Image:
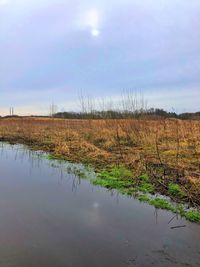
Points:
x=51, y=217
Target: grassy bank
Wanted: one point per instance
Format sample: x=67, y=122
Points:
x=142, y=188
x=120, y=179
x=130, y=155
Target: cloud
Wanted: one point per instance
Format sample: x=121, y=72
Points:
x=145, y=44
x=3, y=2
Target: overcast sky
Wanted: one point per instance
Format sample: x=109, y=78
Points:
x=50, y=50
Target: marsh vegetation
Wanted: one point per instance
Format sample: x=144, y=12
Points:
x=154, y=156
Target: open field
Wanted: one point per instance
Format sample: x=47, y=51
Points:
x=165, y=151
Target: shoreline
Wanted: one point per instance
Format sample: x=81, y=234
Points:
x=120, y=179
x=153, y=157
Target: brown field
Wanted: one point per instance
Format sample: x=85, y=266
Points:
x=168, y=150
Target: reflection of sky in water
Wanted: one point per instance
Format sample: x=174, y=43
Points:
x=95, y=205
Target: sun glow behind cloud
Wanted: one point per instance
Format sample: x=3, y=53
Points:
x=95, y=32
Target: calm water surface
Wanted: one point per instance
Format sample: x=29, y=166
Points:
x=49, y=218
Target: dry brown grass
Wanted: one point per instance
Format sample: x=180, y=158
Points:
x=168, y=150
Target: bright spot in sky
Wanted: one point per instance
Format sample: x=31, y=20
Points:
x=95, y=32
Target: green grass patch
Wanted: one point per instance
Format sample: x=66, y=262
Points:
x=120, y=172
x=175, y=190
x=160, y=203
x=117, y=178
x=144, y=198
x=111, y=182
x=121, y=178
x=116, y=173
x=193, y=216
x=146, y=187
x=144, y=177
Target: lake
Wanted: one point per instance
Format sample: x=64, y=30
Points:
x=51, y=218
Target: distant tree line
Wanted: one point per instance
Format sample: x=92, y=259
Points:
x=117, y=114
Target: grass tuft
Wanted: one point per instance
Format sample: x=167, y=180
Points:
x=144, y=178
x=116, y=178
x=193, y=216
x=175, y=190
x=160, y=203
x=146, y=187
